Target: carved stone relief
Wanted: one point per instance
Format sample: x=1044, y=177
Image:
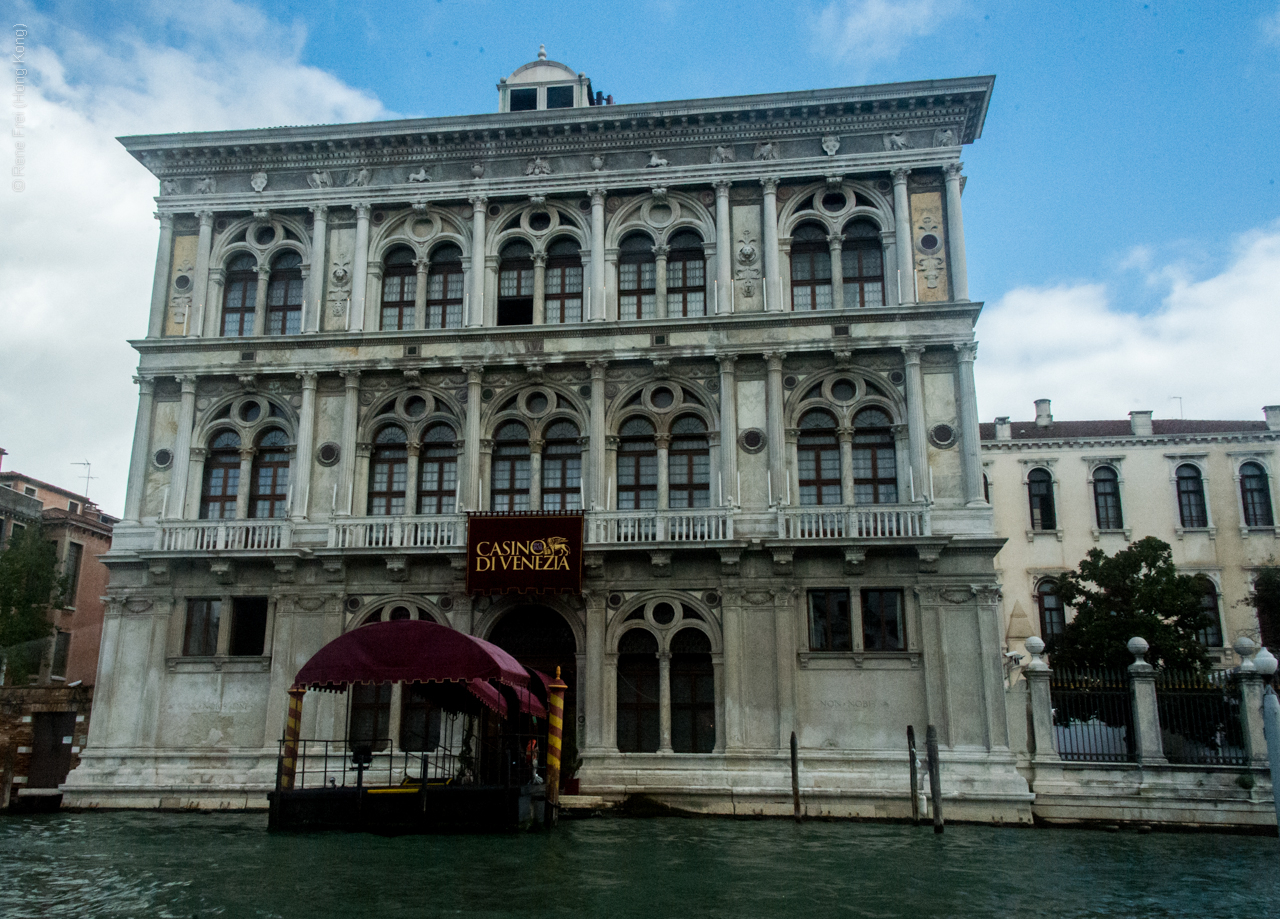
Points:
x=206, y=185
x=830, y=144
x=258, y=181
x=359, y=178
x=419, y=176
x=320, y=179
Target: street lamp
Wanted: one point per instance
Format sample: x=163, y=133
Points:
x=1265, y=663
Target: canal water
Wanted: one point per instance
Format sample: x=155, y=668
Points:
x=227, y=865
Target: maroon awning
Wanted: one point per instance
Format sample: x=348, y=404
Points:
x=408, y=651
x=489, y=695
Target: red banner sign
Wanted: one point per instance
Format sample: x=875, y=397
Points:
x=524, y=552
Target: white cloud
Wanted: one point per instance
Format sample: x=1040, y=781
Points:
x=864, y=32
x=1214, y=342
x=1270, y=27
x=77, y=247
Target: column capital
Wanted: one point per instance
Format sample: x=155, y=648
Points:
x=165, y=218
x=422, y=263
x=246, y=453
x=662, y=441
x=726, y=362
x=597, y=368
x=264, y=272
x=900, y=175
x=770, y=184
x=486, y=444
x=362, y=211
x=199, y=452
x=146, y=383
x=967, y=351
x=953, y=170
x=413, y=448
x=218, y=275
x=205, y=217
x=611, y=441
x=773, y=359
x=912, y=353
x=351, y=377
x=308, y=378
x=722, y=187
x=597, y=194
x=188, y=382
x=539, y=260
x=375, y=269
x=661, y=251
x=474, y=371
x=478, y=202
x=321, y=211
x=364, y=449
x=536, y=444
x=835, y=241
x=845, y=435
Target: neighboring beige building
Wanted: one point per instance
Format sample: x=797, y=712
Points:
x=1061, y=488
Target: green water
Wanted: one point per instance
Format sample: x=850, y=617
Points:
x=193, y=865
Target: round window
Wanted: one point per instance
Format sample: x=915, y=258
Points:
x=662, y=398
x=752, y=440
x=327, y=454
x=182, y=282
x=162, y=459
x=250, y=411
x=353, y=603
x=896, y=377
x=378, y=217
x=584, y=390
x=843, y=390
x=486, y=394
x=942, y=435
x=415, y=406
x=221, y=224
x=445, y=603
x=400, y=612
x=660, y=215
x=264, y=236
x=711, y=598
x=834, y=201
x=664, y=614
x=494, y=210
x=536, y=404
x=539, y=221
x=929, y=242
x=790, y=381
x=584, y=205
x=615, y=600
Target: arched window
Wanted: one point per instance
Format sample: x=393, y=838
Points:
x=693, y=693
x=269, y=490
x=438, y=471
x=810, y=268
x=562, y=468
x=444, y=288
x=1210, y=633
x=1106, y=498
x=239, y=296
x=686, y=275
x=510, y=476
x=638, y=693
x=221, y=477
x=689, y=464
x=637, y=278
x=637, y=465
x=1040, y=493
x=399, y=288
x=515, y=284
x=1255, y=494
x=1192, y=510
x=284, y=295
x=563, y=282
x=875, y=465
x=863, y=263
x=1053, y=618
x=388, y=472
x=818, y=455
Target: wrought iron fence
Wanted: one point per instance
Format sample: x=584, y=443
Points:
x=1200, y=718
x=1092, y=715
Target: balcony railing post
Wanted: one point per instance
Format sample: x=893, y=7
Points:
x=1038, y=676
x=1146, y=713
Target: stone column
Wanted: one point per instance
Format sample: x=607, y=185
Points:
x=260, y=300
x=1038, y=674
x=200, y=283
x=970, y=458
x=160, y=285
x=211, y=323
x=915, y=422
x=301, y=478
x=1147, y=742
x=902, y=237
x=535, y=473
x=246, y=483
x=474, y=317
x=773, y=410
x=664, y=702
x=845, y=436
x=1251, y=720
x=141, y=450
x=319, y=268
x=347, y=462
x=360, y=270
x=610, y=493
x=423, y=265
x=411, y=479
x=373, y=298
x=724, y=250
x=597, y=292
x=836, y=242
x=196, y=475
x=364, y=452
x=591, y=679
x=664, y=473
x=596, y=483
x=539, y=288
x=769, y=226
x=471, y=444
x=486, y=473
x=660, y=254
x=728, y=427
x=955, y=234
x=182, y=448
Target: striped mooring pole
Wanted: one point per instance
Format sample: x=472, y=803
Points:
x=555, y=733
x=292, y=728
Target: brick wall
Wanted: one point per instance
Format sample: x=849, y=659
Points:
x=18, y=705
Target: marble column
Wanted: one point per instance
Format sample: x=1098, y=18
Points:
x=486, y=473
x=360, y=270
x=597, y=292
x=919, y=483
x=301, y=478
x=728, y=429
x=422, y=265
x=373, y=298
x=663, y=442
x=160, y=285
x=591, y=678
x=773, y=409
x=246, y=482
x=724, y=251
x=182, y=447
x=902, y=237
x=471, y=445
x=836, y=242
x=347, y=461
x=141, y=450
x=196, y=474
x=660, y=254
x=212, y=321
x=596, y=483
x=200, y=283
x=970, y=457
x=411, y=478
x=664, y=701
x=845, y=436
x=540, y=288
x=769, y=226
x=260, y=300
x=955, y=233
x=364, y=452
x=319, y=269
x=474, y=317
x=535, y=473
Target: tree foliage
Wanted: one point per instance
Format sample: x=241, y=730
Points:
x=29, y=586
x=1138, y=591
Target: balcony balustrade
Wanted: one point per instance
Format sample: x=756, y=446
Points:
x=885, y=521
x=223, y=535
x=708, y=524
x=430, y=532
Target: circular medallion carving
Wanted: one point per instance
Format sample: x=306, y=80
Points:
x=328, y=453
x=162, y=459
x=942, y=435
x=752, y=440
x=896, y=377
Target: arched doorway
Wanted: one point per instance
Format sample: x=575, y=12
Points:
x=540, y=638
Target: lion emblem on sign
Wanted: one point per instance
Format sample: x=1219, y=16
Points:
x=555, y=545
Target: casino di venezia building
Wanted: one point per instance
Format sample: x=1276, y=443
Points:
x=736, y=333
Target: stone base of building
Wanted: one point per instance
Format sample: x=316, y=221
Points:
x=171, y=780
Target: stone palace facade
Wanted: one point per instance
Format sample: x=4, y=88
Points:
x=736, y=332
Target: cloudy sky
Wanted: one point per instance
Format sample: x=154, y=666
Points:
x=1122, y=218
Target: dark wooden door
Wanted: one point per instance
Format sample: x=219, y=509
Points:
x=50, y=748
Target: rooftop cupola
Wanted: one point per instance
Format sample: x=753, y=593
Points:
x=544, y=84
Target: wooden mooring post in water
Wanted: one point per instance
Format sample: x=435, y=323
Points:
x=935, y=776
x=795, y=777
x=915, y=776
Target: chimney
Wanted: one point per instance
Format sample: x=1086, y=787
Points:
x=1004, y=431
x=1140, y=423
x=1271, y=412
x=1044, y=417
